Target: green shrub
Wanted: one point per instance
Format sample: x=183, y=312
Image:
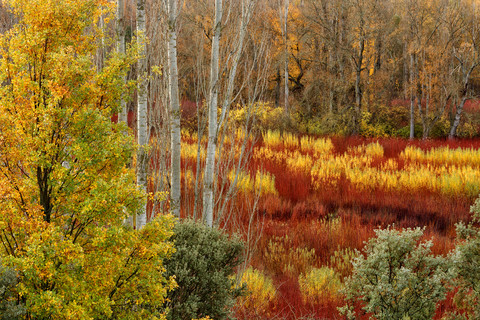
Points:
x=398, y=279
x=440, y=129
x=404, y=132
x=466, y=262
x=466, y=129
x=319, y=125
x=370, y=128
x=203, y=265
x=10, y=307
x=390, y=116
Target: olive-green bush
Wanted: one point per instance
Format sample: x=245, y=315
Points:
x=399, y=278
x=10, y=306
x=203, y=265
x=466, y=264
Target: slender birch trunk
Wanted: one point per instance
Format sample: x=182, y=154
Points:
x=456, y=121
x=175, y=114
x=466, y=75
x=142, y=129
x=412, y=100
x=120, y=30
x=358, y=90
x=208, y=196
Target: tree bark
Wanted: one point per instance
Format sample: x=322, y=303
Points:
x=358, y=90
x=142, y=129
x=458, y=114
x=412, y=100
x=208, y=188
x=456, y=121
x=213, y=125
x=175, y=114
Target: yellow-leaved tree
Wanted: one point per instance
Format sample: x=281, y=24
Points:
x=65, y=188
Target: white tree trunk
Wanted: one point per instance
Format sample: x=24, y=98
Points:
x=464, y=96
x=208, y=196
x=120, y=29
x=142, y=129
x=456, y=121
x=175, y=114
x=412, y=100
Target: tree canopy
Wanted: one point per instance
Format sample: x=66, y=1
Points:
x=65, y=187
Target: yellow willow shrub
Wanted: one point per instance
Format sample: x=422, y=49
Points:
x=389, y=165
x=372, y=178
x=327, y=171
x=464, y=180
x=341, y=261
x=267, y=154
x=349, y=161
x=418, y=178
x=240, y=134
x=260, y=291
x=281, y=257
x=245, y=183
x=412, y=154
x=319, y=146
x=272, y=138
x=355, y=165
x=319, y=283
x=189, y=152
x=289, y=140
x=193, y=136
x=186, y=134
x=373, y=150
x=446, y=180
x=299, y=162
x=237, y=137
x=443, y=155
x=363, y=179
x=333, y=226
x=454, y=179
x=189, y=177
x=265, y=183
x=369, y=178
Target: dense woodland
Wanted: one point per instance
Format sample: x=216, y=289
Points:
x=248, y=159
x=384, y=62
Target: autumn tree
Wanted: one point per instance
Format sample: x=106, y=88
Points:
x=64, y=184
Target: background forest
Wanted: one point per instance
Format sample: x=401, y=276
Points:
x=320, y=159
x=353, y=67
